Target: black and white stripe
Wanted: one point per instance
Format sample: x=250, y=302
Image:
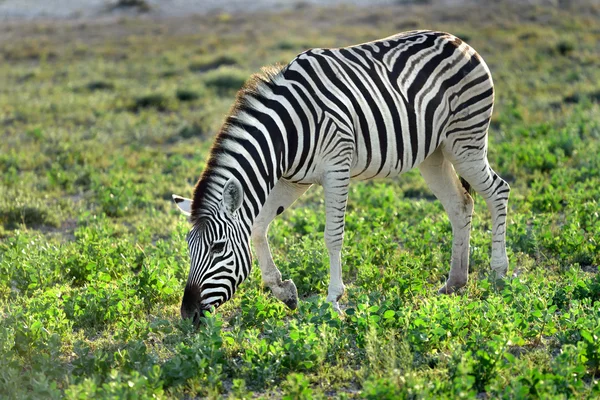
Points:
x=417, y=99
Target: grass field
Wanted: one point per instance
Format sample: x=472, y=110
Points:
x=101, y=122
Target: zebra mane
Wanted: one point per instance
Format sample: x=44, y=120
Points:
x=254, y=87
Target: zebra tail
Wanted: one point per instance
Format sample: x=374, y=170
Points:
x=467, y=186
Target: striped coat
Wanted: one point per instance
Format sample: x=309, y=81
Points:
x=417, y=99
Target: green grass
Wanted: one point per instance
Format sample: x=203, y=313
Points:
x=102, y=122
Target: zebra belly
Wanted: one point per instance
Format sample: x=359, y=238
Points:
x=391, y=168
x=397, y=158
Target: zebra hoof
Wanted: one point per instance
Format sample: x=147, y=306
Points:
x=451, y=288
x=337, y=309
x=445, y=290
x=291, y=294
x=291, y=303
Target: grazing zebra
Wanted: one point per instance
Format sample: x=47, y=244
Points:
x=417, y=99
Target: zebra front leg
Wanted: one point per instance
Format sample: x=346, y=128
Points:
x=281, y=197
x=335, y=188
x=441, y=178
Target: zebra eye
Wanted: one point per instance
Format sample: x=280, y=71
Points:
x=217, y=247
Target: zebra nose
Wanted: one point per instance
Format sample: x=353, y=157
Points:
x=190, y=305
x=187, y=313
x=195, y=314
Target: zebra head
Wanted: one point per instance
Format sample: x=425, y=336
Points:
x=219, y=252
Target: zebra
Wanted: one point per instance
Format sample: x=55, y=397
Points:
x=375, y=110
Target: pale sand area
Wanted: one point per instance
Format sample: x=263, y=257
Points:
x=85, y=9
x=22, y=10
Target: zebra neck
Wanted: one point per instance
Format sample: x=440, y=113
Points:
x=256, y=145
x=255, y=157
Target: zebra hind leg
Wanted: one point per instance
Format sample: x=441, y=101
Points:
x=281, y=197
x=471, y=163
x=441, y=178
x=335, y=188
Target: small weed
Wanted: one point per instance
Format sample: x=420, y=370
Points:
x=297, y=387
x=100, y=85
x=170, y=73
x=564, y=47
x=225, y=80
x=27, y=76
x=155, y=101
x=139, y=5
x=187, y=95
x=287, y=44
x=465, y=37
x=382, y=389
x=579, y=97
x=190, y=131
x=213, y=63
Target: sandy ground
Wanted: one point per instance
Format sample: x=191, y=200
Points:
x=86, y=9
x=23, y=10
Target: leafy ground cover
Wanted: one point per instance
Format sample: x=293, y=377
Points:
x=101, y=121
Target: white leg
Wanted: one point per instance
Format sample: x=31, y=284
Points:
x=335, y=187
x=476, y=170
x=281, y=197
x=444, y=183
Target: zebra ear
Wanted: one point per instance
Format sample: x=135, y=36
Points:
x=233, y=194
x=184, y=205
